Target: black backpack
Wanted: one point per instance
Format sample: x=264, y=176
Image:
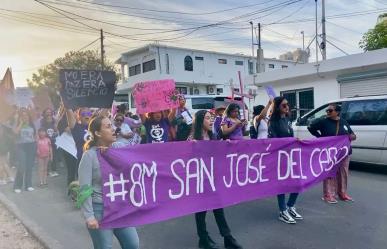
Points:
x=253, y=131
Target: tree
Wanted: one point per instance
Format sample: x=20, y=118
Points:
x=47, y=77
x=375, y=38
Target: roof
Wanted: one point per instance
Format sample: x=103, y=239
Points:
x=372, y=59
x=149, y=46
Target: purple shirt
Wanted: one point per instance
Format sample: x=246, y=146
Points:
x=236, y=134
x=157, y=132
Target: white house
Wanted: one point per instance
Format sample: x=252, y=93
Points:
x=196, y=72
x=311, y=85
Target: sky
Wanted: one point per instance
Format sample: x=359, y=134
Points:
x=34, y=34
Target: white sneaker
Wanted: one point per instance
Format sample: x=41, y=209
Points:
x=17, y=191
x=30, y=189
x=53, y=174
x=284, y=216
x=293, y=212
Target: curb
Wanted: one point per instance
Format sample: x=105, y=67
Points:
x=34, y=229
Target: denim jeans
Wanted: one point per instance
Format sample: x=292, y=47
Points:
x=282, y=202
x=220, y=221
x=25, y=162
x=103, y=238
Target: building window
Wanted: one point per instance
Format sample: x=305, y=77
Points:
x=300, y=101
x=271, y=65
x=182, y=90
x=149, y=66
x=239, y=63
x=134, y=70
x=284, y=66
x=188, y=65
x=199, y=58
x=219, y=90
x=222, y=61
x=251, y=67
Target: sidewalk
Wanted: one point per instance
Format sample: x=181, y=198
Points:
x=51, y=217
x=49, y=213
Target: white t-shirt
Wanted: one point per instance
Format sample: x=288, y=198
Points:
x=263, y=129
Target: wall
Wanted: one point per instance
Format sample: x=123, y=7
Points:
x=324, y=89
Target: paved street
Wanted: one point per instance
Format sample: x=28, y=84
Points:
x=358, y=225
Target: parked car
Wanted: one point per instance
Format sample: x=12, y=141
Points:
x=195, y=103
x=368, y=119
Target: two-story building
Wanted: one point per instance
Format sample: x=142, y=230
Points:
x=196, y=72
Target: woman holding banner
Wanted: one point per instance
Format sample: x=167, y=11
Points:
x=280, y=126
x=202, y=130
x=90, y=181
x=333, y=125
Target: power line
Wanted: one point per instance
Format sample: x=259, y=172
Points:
x=337, y=47
x=60, y=11
x=175, y=12
x=91, y=43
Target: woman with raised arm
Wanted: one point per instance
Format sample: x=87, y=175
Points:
x=102, y=137
x=280, y=126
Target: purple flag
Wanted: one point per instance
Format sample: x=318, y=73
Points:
x=154, y=182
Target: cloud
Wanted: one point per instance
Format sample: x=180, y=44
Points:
x=29, y=46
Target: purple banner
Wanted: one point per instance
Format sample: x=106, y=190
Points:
x=154, y=182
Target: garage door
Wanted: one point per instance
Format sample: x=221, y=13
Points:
x=375, y=86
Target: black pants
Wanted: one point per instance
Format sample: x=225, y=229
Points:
x=55, y=158
x=26, y=161
x=72, y=166
x=220, y=221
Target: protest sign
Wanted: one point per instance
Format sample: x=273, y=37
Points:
x=87, y=88
x=66, y=142
x=270, y=92
x=23, y=97
x=141, y=186
x=157, y=95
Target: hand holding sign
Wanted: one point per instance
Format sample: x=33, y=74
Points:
x=270, y=92
x=158, y=95
x=87, y=88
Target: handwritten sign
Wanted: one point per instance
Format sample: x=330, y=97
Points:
x=158, y=95
x=141, y=186
x=270, y=92
x=87, y=88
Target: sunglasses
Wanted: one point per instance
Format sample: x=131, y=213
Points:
x=329, y=110
x=119, y=120
x=86, y=114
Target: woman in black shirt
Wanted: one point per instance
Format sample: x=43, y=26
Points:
x=281, y=126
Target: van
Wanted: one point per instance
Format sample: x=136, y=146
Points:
x=195, y=103
x=367, y=117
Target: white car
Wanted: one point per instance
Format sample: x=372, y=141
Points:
x=367, y=117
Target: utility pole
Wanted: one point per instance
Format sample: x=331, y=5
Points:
x=260, y=59
x=102, y=52
x=317, y=45
x=252, y=38
x=303, y=40
x=324, y=35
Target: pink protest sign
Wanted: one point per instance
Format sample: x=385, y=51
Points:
x=157, y=95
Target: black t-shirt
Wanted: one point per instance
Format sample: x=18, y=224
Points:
x=326, y=127
x=280, y=128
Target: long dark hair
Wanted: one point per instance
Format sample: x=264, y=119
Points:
x=94, y=125
x=276, y=115
x=30, y=122
x=197, y=130
x=231, y=107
